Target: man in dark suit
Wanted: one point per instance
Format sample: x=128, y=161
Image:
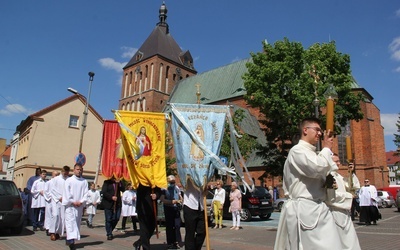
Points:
x=112, y=204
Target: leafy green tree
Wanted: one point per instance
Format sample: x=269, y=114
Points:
x=278, y=82
x=397, y=137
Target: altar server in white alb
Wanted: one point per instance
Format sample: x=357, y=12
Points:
x=129, y=207
x=305, y=221
x=340, y=208
x=57, y=209
x=47, y=197
x=39, y=202
x=93, y=198
x=74, y=199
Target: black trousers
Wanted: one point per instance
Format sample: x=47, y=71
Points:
x=172, y=224
x=146, y=216
x=195, y=228
x=133, y=220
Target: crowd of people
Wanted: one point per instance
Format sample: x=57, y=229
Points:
x=321, y=203
x=310, y=214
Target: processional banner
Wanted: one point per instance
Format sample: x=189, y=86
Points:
x=143, y=141
x=112, y=157
x=197, y=132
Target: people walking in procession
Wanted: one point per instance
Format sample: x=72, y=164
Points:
x=172, y=199
x=29, y=184
x=340, y=207
x=74, y=199
x=93, y=199
x=369, y=212
x=47, y=197
x=306, y=221
x=39, y=202
x=129, y=208
x=57, y=224
x=112, y=203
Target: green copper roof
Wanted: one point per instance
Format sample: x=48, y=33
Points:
x=218, y=84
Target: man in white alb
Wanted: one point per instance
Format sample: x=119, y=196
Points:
x=305, y=221
x=47, y=197
x=74, y=199
x=57, y=209
x=340, y=208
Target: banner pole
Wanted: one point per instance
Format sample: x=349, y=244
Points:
x=155, y=213
x=206, y=222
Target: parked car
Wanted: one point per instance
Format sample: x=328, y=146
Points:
x=11, y=210
x=387, y=198
x=278, y=203
x=398, y=200
x=256, y=203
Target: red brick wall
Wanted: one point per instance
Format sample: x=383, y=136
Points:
x=156, y=97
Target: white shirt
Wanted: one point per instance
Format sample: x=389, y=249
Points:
x=128, y=204
x=38, y=199
x=368, y=196
x=57, y=187
x=219, y=195
x=193, y=197
x=92, y=197
x=75, y=189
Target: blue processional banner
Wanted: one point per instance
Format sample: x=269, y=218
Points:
x=197, y=132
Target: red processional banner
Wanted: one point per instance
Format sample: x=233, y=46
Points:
x=112, y=153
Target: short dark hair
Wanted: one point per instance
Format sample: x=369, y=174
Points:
x=43, y=172
x=77, y=164
x=66, y=168
x=308, y=120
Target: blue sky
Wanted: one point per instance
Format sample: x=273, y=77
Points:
x=47, y=46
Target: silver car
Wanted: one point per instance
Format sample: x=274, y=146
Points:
x=387, y=198
x=278, y=203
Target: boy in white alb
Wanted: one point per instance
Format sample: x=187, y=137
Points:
x=74, y=199
x=39, y=201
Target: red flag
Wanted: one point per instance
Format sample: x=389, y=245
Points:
x=112, y=155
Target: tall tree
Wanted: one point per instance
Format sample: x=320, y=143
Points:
x=397, y=137
x=278, y=82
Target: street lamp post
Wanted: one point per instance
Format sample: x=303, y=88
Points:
x=81, y=158
x=85, y=113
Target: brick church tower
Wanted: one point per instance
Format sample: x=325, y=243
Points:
x=151, y=74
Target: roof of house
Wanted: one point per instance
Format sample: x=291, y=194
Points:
x=37, y=115
x=161, y=43
x=392, y=159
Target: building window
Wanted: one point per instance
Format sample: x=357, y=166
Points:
x=73, y=121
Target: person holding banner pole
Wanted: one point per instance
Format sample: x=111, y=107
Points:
x=193, y=212
x=146, y=211
x=112, y=203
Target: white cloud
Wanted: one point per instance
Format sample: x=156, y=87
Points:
x=389, y=122
x=397, y=70
x=110, y=63
x=11, y=109
x=398, y=13
x=394, y=48
x=128, y=52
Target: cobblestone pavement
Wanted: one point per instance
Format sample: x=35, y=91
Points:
x=254, y=235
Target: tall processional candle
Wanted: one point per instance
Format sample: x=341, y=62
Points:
x=329, y=114
x=349, y=153
x=330, y=95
